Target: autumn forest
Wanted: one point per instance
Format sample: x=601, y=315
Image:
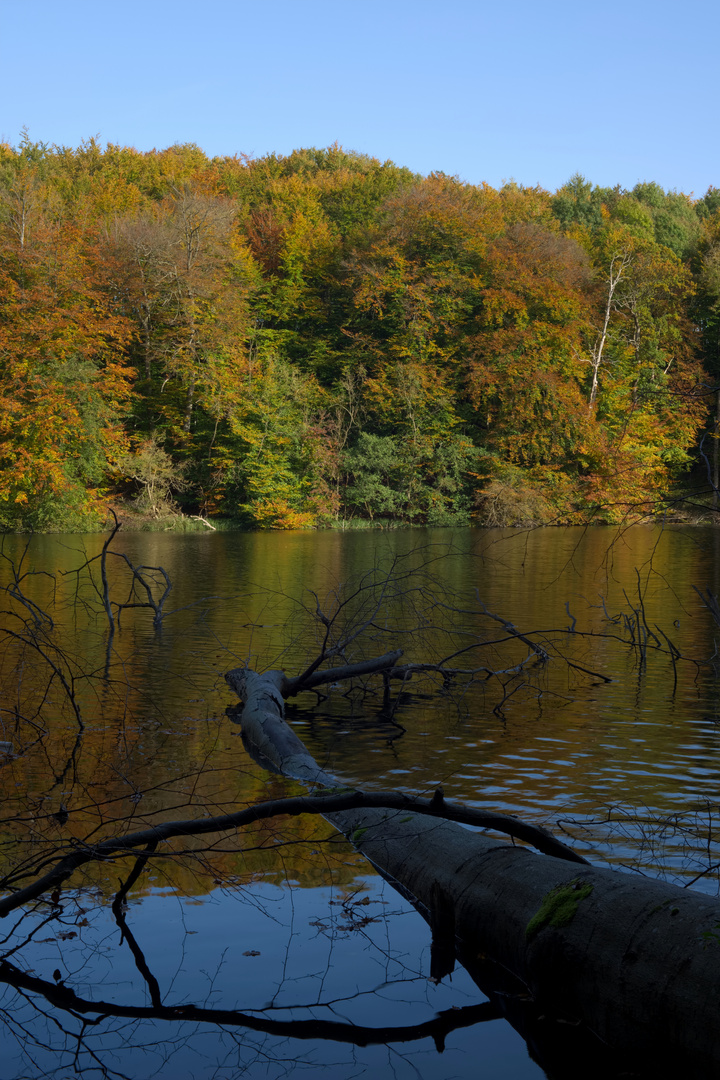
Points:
x=323, y=339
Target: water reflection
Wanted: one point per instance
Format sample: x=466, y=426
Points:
x=564, y=744
x=627, y=769
x=253, y=985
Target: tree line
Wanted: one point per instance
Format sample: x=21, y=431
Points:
x=308, y=340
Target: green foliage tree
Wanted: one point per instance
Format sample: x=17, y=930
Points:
x=279, y=465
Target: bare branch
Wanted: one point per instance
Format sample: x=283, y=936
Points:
x=325, y=801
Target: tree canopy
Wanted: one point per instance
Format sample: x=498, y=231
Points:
x=322, y=337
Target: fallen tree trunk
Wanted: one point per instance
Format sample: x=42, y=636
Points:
x=634, y=960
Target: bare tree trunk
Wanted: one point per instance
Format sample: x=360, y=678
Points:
x=634, y=960
x=716, y=453
x=618, y=265
x=189, y=401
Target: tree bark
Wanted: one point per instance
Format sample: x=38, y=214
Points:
x=716, y=454
x=634, y=960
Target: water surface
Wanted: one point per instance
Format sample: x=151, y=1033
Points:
x=610, y=739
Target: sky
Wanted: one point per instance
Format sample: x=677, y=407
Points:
x=534, y=92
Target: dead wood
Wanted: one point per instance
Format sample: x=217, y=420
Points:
x=634, y=960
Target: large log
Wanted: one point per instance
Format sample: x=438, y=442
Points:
x=633, y=959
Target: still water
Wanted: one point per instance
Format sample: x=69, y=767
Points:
x=600, y=721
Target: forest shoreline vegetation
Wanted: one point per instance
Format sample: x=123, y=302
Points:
x=323, y=340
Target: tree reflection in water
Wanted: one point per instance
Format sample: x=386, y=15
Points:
x=218, y=968
x=143, y=993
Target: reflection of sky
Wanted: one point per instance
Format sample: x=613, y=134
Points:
x=614, y=762
x=280, y=953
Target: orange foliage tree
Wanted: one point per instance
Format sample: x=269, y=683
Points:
x=65, y=385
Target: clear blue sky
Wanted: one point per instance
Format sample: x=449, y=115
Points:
x=619, y=91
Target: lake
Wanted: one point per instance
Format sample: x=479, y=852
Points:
x=592, y=709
